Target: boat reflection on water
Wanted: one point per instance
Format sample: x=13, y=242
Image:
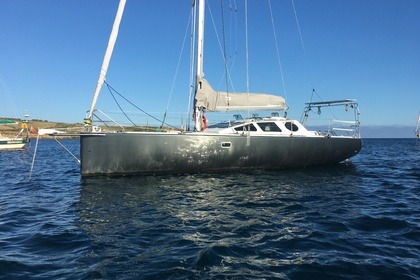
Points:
x=196, y=223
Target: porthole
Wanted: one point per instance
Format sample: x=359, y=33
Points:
x=226, y=145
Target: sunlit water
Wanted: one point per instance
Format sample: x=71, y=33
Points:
x=355, y=221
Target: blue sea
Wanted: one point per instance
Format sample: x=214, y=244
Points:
x=359, y=220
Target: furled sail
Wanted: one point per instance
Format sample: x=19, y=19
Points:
x=210, y=100
x=107, y=57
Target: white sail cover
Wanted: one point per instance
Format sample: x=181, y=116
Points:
x=213, y=101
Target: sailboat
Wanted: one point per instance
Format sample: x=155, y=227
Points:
x=417, y=130
x=16, y=143
x=271, y=142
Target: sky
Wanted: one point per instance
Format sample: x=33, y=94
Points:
x=51, y=53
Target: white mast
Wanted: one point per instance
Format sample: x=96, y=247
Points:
x=200, y=41
x=200, y=52
x=107, y=57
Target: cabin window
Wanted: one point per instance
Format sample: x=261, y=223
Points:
x=269, y=127
x=248, y=127
x=291, y=126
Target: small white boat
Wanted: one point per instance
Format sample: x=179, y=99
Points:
x=17, y=143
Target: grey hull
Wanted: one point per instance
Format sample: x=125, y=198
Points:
x=136, y=153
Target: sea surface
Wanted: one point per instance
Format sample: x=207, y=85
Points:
x=359, y=220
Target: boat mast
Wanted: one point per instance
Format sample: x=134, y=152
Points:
x=107, y=57
x=199, y=112
x=200, y=41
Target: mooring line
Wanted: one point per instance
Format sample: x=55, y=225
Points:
x=78, y=160
x=33, y=158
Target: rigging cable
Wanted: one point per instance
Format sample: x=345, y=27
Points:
x=176, y=72
x=232, y=56
x=8, y=95
x=224, y=51
x=220, y=47
x=192, y=60
x=277, y=49
x=105, y=122
x=306, y=60
x=112, y=89
x=304, y=52
x=246, y=47
x=227, y=57
x=118, y=104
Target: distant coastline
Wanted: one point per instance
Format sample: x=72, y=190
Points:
x=11, y=130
